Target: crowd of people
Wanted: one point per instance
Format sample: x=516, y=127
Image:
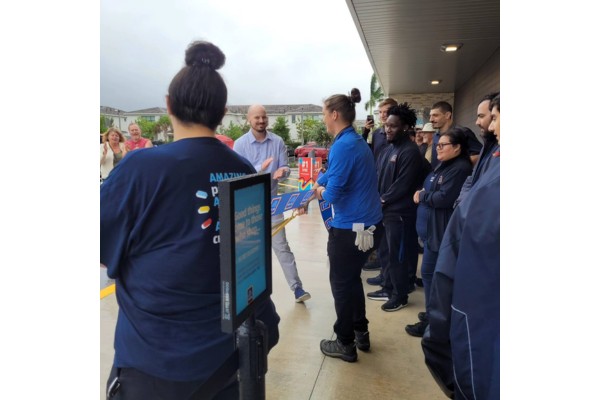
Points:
x=389, y=187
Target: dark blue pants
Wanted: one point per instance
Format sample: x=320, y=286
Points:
x=402, y=247
x=345, y=266
x=136, y=385
x=427, y=269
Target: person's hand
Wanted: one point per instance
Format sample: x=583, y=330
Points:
x=369, y=125
x=319, y=192
x=416, y=196
x=104, y=151
x=302, y=210
x=266, y=164
x=279, y=173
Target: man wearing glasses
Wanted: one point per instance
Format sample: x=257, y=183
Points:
x=440, y=117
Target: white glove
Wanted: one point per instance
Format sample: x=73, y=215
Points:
x=364, y=238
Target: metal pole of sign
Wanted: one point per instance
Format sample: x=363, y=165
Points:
x=251, y=342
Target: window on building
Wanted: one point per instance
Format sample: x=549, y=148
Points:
x=293, y=118
x=150, y=118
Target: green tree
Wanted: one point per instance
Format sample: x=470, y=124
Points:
x=376, y=95
x=148, y=128
x=163, y=125
x=281, y=128
x=234, y=131
x=313, y=130
x=103, y=123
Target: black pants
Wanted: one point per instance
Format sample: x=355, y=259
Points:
x=401, y=248
x=345, y=266
x=136, y=385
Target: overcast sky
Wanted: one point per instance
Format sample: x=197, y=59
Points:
x=277, y=52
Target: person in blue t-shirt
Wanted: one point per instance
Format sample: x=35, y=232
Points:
x=159, y=239
x=350, y=185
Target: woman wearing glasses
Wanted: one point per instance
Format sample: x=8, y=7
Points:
x=436, y=199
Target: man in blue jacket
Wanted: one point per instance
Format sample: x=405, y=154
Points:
x=462, y=342
x=490, y=145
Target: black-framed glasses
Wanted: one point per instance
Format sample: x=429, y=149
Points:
x=441, y=145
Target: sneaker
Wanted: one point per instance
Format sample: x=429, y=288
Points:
x=416, y=330
x=380, y=294
x=362, y=340
x=393, y=305
x=334, y=348
x=301, y=295
x=376, y=280
x=371, y=267
x=419, y=282
x=423, y=316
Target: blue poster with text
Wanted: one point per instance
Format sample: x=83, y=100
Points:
x=250, y=257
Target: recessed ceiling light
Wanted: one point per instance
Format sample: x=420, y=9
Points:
x=435, y=82
x=448, y=48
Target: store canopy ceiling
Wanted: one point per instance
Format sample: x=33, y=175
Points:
x=403, y=38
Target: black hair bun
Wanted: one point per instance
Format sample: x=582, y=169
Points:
x=202, y=53
x=355, y=95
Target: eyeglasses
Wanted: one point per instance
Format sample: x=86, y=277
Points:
x=440, y=146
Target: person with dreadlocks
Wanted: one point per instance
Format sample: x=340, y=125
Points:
x=401, y=170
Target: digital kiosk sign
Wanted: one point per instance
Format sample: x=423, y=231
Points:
x=245, y=226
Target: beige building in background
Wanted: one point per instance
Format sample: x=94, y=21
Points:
x=236, y=114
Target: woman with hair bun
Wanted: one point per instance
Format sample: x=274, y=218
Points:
x=159, y=239
x=350, y=185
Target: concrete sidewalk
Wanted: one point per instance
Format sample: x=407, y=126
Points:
x=393, y=369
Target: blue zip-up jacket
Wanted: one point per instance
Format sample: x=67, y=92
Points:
x=485, y=159
x=436, y=202
x=351, y=182
x=462, y=343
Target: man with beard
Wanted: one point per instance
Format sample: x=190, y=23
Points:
x=462, y=343
x=442, y=119
x=267, y=153
x=490, y=145
x=400, y=170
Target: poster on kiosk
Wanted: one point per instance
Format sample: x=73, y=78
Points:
x=245, y=236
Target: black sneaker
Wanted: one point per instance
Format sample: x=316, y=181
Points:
x=380, y=294
x=333, y=348
x=376, y=280
x=393, y=305
x=416, y=330
x=423, y=316
x=362, y=340
x=419, y=282
x=371, y=267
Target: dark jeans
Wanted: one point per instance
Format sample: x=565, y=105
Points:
x=402, y=247
x=345, y=266
x=427, y=269
x=136, y=385
x=412, y=250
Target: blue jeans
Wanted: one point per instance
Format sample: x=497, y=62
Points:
x=427, y=269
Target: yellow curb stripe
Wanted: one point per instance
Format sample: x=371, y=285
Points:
x=107, y=291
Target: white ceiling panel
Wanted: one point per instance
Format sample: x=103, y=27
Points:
x=402, y=39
